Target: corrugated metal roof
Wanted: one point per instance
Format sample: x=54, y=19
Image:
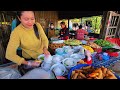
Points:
x=77, y=14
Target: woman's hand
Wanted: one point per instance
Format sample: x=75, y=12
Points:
x=46, y=52
x=33, y=64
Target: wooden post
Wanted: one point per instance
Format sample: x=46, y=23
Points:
x=104, y=22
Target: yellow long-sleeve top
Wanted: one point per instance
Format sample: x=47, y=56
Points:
x=27, y=41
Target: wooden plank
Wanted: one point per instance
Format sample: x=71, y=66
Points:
x=115, y=21
x=112, y=27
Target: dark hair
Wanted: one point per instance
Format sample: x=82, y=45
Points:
x=19, y=13
x=63, y=23
x=51, y=24
x=75, y=24
x=80, y=26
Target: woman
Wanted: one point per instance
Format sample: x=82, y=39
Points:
x=51, y=31
x=30, y=37
x=80, y=33
x=64, y=32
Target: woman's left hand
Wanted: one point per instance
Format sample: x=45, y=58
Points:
x=46, y=52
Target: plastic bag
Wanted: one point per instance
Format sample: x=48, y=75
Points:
x=66, y=48
x=69, y=62
x=9, y=73
x=77, y=48
x=75, y=56
x=46, y=66
x=58, y=69
x=57, y=59
x=38, y=73
x=48, y=59
x=59, y=51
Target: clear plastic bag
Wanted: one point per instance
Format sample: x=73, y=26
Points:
x=9, y=73
x=58, y=69
x=48, y=59
x=57, y=59
x=38, y=73
x=59, y=51
x=46, y=66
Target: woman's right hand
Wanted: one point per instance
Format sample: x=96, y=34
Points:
x=33, y=64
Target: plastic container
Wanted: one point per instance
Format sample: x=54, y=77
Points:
x=80, y=66
x=113, y=40
x=113, y=54
x=76, y=67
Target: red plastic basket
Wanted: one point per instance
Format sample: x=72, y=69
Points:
x=112, y=54
x=114, y=40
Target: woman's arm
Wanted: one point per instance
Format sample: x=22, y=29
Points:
x=11, y=51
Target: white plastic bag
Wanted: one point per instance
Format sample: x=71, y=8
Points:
x=9, y=73
x=46, y=66
x=57, y=59
x=59, y=51
x=58, y=69
x=38, y=73
x=48, y=59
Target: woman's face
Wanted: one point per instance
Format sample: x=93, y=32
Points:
x=62, y=25
x=27, y=18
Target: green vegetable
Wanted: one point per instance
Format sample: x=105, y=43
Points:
x=103, y=43
x=42, y=58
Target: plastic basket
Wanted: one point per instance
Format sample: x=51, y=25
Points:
x=76, y=67
x=114, y=40
x=54, y=46
x=79, y=66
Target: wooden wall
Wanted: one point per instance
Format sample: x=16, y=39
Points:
x=44, y=17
